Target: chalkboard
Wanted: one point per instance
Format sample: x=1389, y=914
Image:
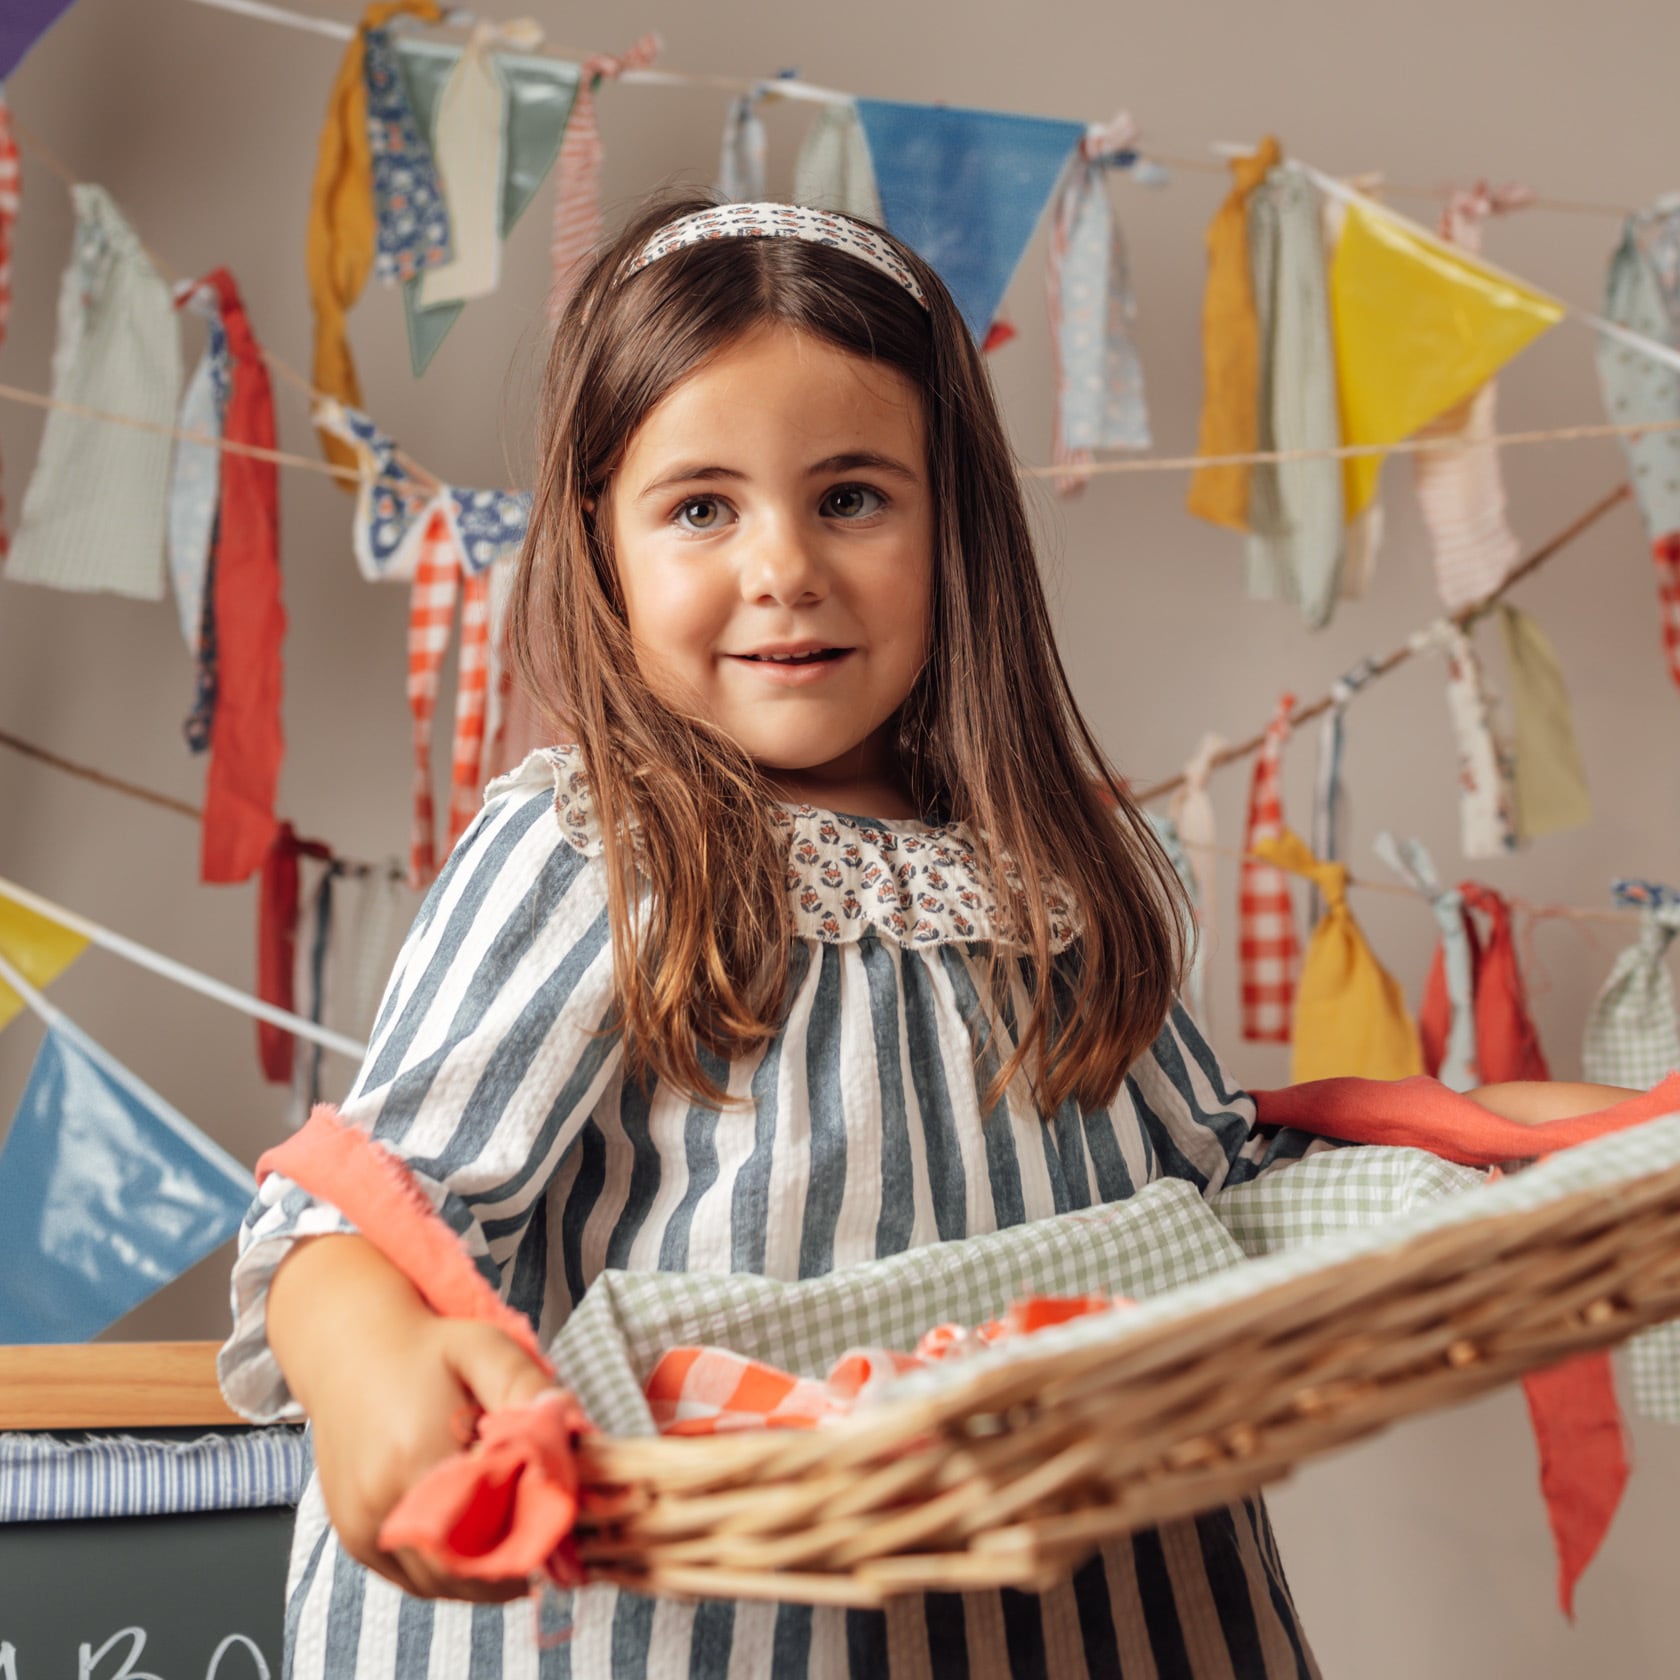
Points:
x=195, y=1597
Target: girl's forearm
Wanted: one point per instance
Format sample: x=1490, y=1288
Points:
x=1532, y=1101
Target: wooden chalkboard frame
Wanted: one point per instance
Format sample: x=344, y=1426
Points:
x=112, y=1385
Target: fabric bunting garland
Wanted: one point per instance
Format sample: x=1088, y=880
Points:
x=1487, y=807
x=1461, y=491
x=1099, y=379
x=577, y=197
x=11, y=198
x=741, y=158
x=343, y=233
x=1350, y=1014
x=1230, y=350
x=519, y=139
x=106, y=1193
x=1447, y=1018
x=1549, y=783
x=118, y=350
x=1632, y=1037
x=1419, y=327
x=1296, y=542
x=246, y=743
x=411, y=219
x=1267, y=951
x=965, y=189
x=22, y=24
x=833, y=170
x=38, y=949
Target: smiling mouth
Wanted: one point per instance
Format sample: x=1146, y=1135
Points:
x=815, y=657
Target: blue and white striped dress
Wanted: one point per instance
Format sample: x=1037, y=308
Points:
x=865, y=1136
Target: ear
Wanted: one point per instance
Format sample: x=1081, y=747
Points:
x=589, y=506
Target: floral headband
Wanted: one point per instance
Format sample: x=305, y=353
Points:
x=778, y=221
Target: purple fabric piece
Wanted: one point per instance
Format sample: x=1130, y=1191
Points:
x=22, y=24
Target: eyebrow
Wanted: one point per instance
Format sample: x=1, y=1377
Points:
x=701, y=472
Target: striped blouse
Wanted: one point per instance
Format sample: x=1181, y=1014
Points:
x=863, y=1133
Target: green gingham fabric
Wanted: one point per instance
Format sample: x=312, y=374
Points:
x=1165, y=1247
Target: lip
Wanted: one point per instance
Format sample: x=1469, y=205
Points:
x=790, y=676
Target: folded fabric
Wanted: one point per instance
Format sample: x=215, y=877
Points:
x=119, y=352
x=1632, y=1035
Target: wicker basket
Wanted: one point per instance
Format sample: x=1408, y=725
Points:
x=1011, y=1475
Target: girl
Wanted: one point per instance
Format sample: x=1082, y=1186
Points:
x=819, y=944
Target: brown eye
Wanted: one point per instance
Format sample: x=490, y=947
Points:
x=853, y=501
x=701, y=514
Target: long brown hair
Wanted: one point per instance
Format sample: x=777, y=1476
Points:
x=989, y=735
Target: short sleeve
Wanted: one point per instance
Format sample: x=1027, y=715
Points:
x=489, y=1052
x=1198, y=1122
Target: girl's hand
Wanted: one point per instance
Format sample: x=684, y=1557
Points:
x=391, y=1390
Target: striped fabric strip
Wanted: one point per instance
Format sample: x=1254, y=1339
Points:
x=577, y=197
x=46, y=1479
x=11, y=197
x=472, y=694
x=1268, y=952
x=431, y=619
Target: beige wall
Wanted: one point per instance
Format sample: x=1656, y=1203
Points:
x=1425, y=1553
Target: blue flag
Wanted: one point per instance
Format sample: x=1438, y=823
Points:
x=106, y=1195
x=22, y=24
x=965, y=190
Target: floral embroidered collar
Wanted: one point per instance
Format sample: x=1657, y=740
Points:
x=907, y=882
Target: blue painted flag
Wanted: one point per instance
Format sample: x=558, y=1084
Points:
x=965, y=189
x=106, y=1194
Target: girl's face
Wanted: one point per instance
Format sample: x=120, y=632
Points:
x=774, y=539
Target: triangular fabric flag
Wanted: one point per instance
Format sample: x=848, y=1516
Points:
x=118, y=351
x=22, y=24
x=1419, y=326
x=1632, y=1036
x=1267, y=951
x=411, y=231
x=1549, y=782
x=1461, y=491
x=538, y=94
x=1297, y=542
x=106, y=1194
x=38, y=948
x=833, y=170
x=11, y=199
x=965, y=189
x=1486, y=804
x=1099, y=379
x=343, y=231
x=1350, y=1014
x=246, y=740
x=1191, y=814
x=577, y=188
x=1447, y=1014
x=1230, y=350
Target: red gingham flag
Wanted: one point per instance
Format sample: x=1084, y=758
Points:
x=11, y=191
x=472, y=693
x=1665, y=552
x=1266, y=914
x=577, y=196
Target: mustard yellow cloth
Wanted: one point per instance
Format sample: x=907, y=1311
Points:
x=40, y=950
x=1350, y=1014
x=342, y=229
x=1230, y=349
x=1550, y=784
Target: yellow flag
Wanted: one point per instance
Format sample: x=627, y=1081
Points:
x=38, y=949
x=1350, y=1014
x=1419, y=326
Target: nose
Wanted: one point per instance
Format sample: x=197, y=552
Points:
x=782, y=565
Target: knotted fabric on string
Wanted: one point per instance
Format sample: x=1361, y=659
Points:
x=342, y=228
x=1507, y=1041
x=1461, y=491
x=246, y=743
x=118, y=350
x=1549, y=783
x=833, y=170
x=1297, y=543
x=1099, y=379
x=277, y=924
x=1350, y=1015
x=1327, y=784
x=1486, y=806
x=1447, y=1014
x=1267, y=949
x=1230, y=349
x=577, y=197
x=1191, y=813
x=740, y=177
x=1631, y=1034
x=11, y=199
